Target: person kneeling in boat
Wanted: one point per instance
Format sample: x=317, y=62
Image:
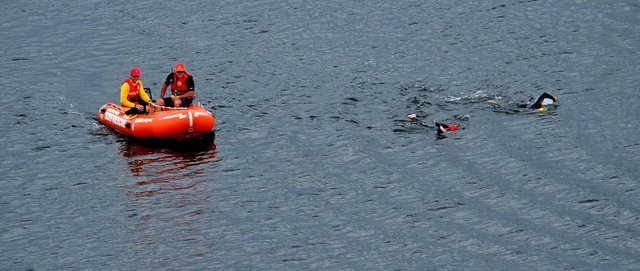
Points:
x=442, y=128
x=182, y=88
x=133, y=98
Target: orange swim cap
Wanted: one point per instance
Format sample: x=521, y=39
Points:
x=452, y=127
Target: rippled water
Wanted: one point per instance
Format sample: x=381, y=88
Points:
x=314, y=164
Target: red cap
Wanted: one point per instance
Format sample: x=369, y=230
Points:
x=135, y=72
x=179, y=67
x=452, y=127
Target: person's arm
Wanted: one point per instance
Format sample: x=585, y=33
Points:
x=538, y=103
x=415, y=118
x=167, y=82
x=442, y=127
x=162, y=91
x=124, y=92
x=419, y=121
x=143, y=94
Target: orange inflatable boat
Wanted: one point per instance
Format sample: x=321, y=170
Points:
x=174, y=124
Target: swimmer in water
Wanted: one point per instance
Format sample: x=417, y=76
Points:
x=544, y=99
x=442, y=128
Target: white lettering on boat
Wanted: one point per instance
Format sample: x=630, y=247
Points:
x=180, y=116
x=143, y=120
x=113, y=118
x=197, y=114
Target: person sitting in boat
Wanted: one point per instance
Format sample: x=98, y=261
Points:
x=442, y=128
x=133, y=98
x=182, y=88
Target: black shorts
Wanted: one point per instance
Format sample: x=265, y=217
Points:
x=135, y=111
x=169, y=102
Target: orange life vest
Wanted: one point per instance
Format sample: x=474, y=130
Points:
x=179, y=84
x=134, y=90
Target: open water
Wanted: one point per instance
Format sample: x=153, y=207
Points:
x=314, y=164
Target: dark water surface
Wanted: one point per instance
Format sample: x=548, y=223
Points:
x=314, y=165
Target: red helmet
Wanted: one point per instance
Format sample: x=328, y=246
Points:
x=135, y=72
x=179, y=67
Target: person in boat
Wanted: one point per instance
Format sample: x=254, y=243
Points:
x=544, y=99
x=182, y=88
x=442, y=128
x=133, y=98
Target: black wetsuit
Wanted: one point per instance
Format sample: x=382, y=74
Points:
x=437, y=124
x=538, y=103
